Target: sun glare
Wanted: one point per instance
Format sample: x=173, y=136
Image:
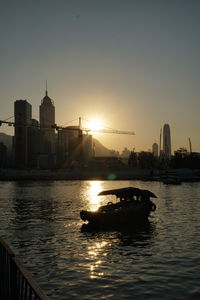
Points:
x=95, y=124
x=94, y=189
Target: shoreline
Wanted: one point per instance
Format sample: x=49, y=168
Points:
x=185, y=175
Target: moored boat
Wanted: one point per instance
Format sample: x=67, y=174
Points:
x=171, y=180
x=133, y=208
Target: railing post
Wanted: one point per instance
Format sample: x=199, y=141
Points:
x=15, y=282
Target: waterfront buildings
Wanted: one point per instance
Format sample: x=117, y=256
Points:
x=23, y=113
x=3, y=155
x=74, y=147
x=26, y=139
x=68, y=149
x=37, y=145
x=88, y=147
x=34, y=137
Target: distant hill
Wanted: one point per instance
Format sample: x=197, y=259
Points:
x=6, y=140
x=101, y=150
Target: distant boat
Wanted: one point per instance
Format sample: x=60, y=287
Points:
x=133, y=208
x=171, y=180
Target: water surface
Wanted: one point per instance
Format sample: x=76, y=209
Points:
x=40, y=220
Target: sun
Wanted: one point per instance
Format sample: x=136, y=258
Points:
x=95, y=124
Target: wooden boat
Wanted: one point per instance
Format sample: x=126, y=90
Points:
x=133, y=208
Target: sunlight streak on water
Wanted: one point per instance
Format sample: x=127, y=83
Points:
x=92, y=194
x=95, y=252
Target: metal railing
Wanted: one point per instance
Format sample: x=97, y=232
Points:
x=16, y=283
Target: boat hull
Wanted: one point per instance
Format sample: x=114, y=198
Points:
x=128, y=216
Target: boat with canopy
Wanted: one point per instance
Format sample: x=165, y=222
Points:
x=132, y=207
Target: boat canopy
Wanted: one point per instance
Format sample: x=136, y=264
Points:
x=129, y=191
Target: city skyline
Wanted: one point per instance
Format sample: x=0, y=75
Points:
x=133, y=64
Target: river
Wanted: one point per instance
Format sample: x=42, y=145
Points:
x=40, y=221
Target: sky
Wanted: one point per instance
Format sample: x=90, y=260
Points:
x=132, y=63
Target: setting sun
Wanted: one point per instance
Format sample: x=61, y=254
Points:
x=95, y=124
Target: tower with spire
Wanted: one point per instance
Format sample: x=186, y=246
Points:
x=47, y=120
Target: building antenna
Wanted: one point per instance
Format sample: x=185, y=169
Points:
x=79, y=122
x=190, y=145
x=46, y=93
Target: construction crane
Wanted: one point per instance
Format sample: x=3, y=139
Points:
x=78, y=128
x=109, y=131
x=87, y=130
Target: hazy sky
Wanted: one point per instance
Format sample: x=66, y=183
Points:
x=133, y=63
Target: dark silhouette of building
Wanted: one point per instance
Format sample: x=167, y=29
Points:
x=34, y=147
x=22, y=112
x=73, y=148
x=87, y=145
x=7, y=140
x=3, y=155
x=46, y=158
x=37, y=145
x=166, y=141
x=106, y=163
x=155, y=149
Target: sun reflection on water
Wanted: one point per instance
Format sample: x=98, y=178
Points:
x=94, y=252
x=93, y=190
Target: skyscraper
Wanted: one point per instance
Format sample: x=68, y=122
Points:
x=23, y=112
x=155, y=149
x=166, y=140
x=73, y=147
x=34, y=138
x=47, y=119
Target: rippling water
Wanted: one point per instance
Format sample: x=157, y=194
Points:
x=40, y=220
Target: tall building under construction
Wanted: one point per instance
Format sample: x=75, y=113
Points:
x=74, y=147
